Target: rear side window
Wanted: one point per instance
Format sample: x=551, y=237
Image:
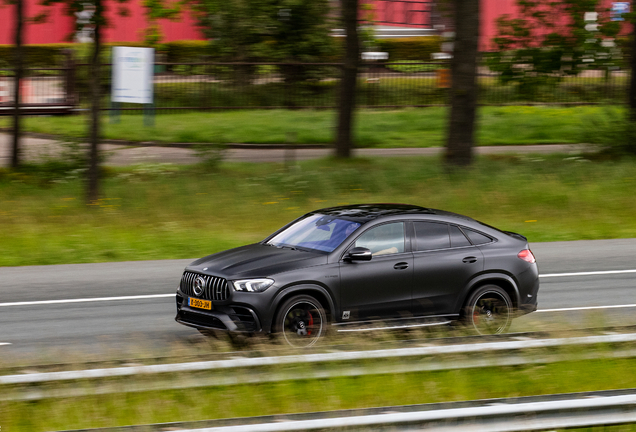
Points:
x=430, y=235
x=457, y=237
x=476, y=238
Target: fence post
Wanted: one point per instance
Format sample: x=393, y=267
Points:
x=69, y=78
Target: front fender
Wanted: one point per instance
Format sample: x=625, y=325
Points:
x=291, y=290
x=484, y=278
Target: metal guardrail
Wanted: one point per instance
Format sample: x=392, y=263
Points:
x=313, y=358
x=532, y=413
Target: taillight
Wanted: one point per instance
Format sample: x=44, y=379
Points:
x=527, y=256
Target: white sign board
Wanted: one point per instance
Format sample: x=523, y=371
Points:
x=132, y=74
x=618, y=9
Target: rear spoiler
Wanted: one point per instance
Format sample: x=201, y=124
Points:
x=515, y=235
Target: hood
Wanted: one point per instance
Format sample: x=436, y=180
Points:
x=256, y=260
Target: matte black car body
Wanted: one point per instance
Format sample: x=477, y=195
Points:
x=413, y=284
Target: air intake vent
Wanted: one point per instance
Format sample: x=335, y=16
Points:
x=216, y=288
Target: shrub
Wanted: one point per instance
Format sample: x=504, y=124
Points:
x=412, y=48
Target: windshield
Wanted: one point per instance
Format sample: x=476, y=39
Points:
x=316, y=232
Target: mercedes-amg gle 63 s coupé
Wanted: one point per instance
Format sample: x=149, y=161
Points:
x=346, y=267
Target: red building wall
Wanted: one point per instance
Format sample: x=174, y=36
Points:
x=59, y=25
x=130, y=28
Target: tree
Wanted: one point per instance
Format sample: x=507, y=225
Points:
x=632, y=62
x=93, y=13
x=264, y=30
x=463, y=92
x=18, y=74
x=349, y=77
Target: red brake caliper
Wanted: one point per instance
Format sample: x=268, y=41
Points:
x=311, y=323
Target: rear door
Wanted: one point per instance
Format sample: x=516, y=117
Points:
x=444, y=261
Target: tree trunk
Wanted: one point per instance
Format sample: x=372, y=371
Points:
x=92, y=191
x=632, y=63
x=19, y=72
x=461, y=127
x=348, y=80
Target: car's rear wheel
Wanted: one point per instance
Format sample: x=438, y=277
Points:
x=488, y=310
x=301, y=321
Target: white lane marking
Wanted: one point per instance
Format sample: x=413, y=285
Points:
x=86, y=300
x=591, y=273
x=588, y=308
x=5, y=343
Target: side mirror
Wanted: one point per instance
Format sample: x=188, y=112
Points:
x=359, y=254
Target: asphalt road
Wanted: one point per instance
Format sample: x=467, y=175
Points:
x=62, y=322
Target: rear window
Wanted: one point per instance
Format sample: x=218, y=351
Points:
x=476, y=238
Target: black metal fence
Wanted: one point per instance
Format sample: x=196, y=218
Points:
x=210, y=86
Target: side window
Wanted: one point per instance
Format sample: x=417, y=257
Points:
x=475, y=237
x=430, y=235
x=384, y=239
x=458, y=239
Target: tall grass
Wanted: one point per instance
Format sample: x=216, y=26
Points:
x=423, y=127
x=164, y=211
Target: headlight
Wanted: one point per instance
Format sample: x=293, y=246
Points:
x=252, y=285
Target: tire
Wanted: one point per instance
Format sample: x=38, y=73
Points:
x=488, y=310
x=301, y=321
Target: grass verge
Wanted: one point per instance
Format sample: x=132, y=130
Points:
x=317, y=395
x=165, y=211
x=373, y=128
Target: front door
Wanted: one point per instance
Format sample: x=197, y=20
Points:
x=379, y=288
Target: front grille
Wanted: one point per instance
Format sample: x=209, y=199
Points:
x=216, y=288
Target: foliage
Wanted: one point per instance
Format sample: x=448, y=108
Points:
x=612, y=130
x=411, y=48
x=550, y=40
x=257, y=30
x=156, y=10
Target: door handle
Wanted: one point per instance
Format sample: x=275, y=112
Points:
x=401, y=266
x=469, y=260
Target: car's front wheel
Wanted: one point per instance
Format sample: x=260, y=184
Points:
x=301, y=321
x=488, y=310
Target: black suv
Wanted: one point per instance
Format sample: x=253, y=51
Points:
x=345, y=266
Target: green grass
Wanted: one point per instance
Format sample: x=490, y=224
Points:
x=316, y=395
x=373, y=128
x=162, y=211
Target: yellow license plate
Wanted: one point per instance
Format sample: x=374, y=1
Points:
x=201, y=304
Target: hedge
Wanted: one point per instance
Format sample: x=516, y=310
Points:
x=190, y=51
x=411, y=48
x=41, y=55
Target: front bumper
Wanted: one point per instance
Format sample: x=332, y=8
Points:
x=232, y=318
